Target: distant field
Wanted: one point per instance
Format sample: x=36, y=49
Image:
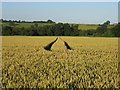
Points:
x=91, y=26
x=80, y=26
x=28, y=24
x=92, y=62
x=87, y=26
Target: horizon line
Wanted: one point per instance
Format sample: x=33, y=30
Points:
x=57, y=22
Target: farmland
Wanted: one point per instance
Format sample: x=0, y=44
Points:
x=92, y=62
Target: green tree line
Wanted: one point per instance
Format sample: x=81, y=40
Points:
x=60, y=29
x=20, y=21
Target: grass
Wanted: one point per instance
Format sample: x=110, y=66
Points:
x=92, y=63
x=88, y=26
x=26, y=25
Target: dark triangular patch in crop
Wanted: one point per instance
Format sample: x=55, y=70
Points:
x=67, y=46
x=48, y=47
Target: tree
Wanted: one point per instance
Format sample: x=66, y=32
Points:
x=67, y=30
x=50, y=21
x=36, y=25
x=74, y=30
x=7, y=30
x=102, y=29
x=106, y=23
x=116, y=30
x=49, y=32
x=19, y=21
x=16, y=31
x=57, y=30
x=39, y=30
x=11, y=23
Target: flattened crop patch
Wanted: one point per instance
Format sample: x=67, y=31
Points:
x=58, y=44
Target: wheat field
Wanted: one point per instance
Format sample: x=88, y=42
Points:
x=91, y=62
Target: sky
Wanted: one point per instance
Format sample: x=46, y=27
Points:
x=66, y=12
x=60, y=0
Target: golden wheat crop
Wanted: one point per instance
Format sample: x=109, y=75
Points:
x=92, y=62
